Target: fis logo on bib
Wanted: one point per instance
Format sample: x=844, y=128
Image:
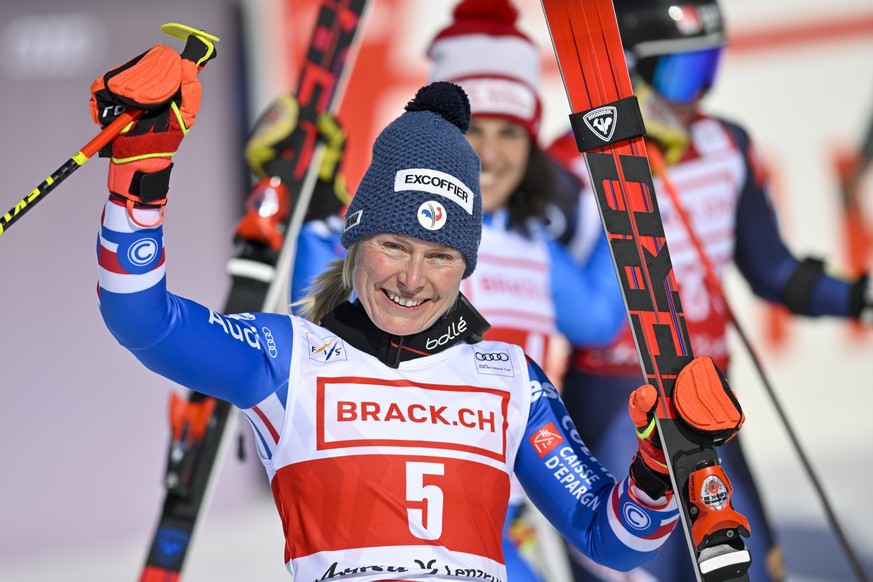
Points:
x=497, y=363
x=329, y=349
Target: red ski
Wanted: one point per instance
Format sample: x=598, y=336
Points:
x=202, y=425
x=608, y=128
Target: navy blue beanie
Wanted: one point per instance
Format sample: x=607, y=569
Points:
x=423, y=180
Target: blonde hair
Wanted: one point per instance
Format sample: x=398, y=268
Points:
x=329, y=289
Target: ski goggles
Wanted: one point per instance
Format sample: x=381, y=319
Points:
x=680, y=77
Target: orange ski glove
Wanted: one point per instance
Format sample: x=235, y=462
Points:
x=648, y=470
x=704, y=402
x=165, y=87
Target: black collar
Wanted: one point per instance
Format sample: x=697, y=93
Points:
x=350, y=322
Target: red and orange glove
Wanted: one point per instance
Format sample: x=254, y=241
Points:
x=648, y=470
x=165, y=87
x=703, y=401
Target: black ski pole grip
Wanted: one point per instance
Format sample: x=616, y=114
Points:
x=198, y=50
x=199, y=44
x=199, y=47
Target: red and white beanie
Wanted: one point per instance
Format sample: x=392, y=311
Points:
x=497, y=65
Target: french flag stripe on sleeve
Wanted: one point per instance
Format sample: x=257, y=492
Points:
x=130, y=258
x=121, y=283
x=115, y=217
x=640, y=528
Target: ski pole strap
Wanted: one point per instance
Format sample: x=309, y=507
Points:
x=646, y=432
x=798, y=290
x=616, y=121
x=653, y=456
x=861, y=299
x=150, y=188
x=649, y=472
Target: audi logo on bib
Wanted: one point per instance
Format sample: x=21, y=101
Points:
x=495, y=363
x=492, y=356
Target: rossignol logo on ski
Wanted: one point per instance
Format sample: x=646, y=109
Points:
x=329, y=349
x=601, y=122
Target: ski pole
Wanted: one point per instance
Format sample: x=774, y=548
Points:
x=660, y=170
x=857, y=236
x=111, y=131
x=74, y=163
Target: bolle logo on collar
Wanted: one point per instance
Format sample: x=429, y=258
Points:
x=456, y=328
x=435, y=182
x=601, y=122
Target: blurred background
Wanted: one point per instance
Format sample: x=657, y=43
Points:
x=84, y=427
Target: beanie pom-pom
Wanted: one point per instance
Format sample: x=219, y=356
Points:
x=446, y=100
x=494, y=10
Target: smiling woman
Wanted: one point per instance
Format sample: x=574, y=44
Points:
x=405, y=284
x=389, y=428
x=414, y=225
